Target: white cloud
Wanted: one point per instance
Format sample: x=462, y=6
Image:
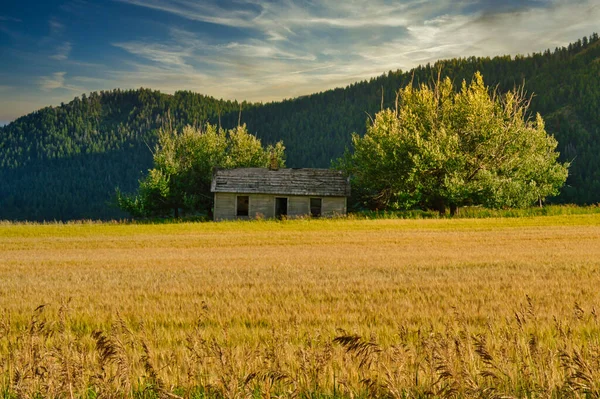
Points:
x=62, y=52
x=55, y=27
x=485, y=34
x=199, y=11
x=55, y=81
x=167, y=55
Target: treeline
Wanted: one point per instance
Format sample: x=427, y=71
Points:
x=64, y=162
x=102, y=122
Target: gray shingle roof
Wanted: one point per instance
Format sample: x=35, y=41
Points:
x=317, y=182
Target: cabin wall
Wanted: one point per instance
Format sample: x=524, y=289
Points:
x=224, y=207
x=298, y=206
x=333, y=206
x=263, y=206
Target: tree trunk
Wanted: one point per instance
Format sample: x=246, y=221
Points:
x=453, y=209
x=176, y=212
x=440, y=206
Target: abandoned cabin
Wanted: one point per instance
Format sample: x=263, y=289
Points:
x=250, y=193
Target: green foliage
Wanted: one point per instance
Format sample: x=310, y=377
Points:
x=442, y=148
x=184, y=164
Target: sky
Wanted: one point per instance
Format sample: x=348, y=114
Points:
x=257, y=50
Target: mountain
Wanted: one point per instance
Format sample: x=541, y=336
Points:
x=64, y=162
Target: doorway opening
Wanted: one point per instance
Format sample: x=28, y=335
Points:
x=281, y=207
x=316, y=206
x=242, y=205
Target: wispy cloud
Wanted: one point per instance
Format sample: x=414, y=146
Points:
x=205, y=11
x=56, y=27
x=55, y=81
x=62, y=52
x=168, y=56
x=294, y=48
x=77, y=8
x=9, y=19
x=58, y=80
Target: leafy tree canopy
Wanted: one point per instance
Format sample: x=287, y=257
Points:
x=183, y=168
x=440, y=148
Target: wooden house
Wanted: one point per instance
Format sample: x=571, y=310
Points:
x=249, y=193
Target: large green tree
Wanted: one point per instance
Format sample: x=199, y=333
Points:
x=183, y=168
x=440, y=148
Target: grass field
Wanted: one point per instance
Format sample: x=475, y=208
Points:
x=309, y=308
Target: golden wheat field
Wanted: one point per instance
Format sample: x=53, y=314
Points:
x=306, y=308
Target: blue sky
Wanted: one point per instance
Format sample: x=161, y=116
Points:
x=257, y=50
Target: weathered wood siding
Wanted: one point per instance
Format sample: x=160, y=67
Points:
x=263, y=206
x=224, y=208
x=333, y=206
x=298, y=206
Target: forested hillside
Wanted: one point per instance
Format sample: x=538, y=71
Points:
x=64, y=162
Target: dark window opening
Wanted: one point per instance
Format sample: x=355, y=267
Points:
x=242, y=205
x=315, y=207
x=281, y=207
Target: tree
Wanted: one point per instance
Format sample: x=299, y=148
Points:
x=183, y=166
x=440, y=148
